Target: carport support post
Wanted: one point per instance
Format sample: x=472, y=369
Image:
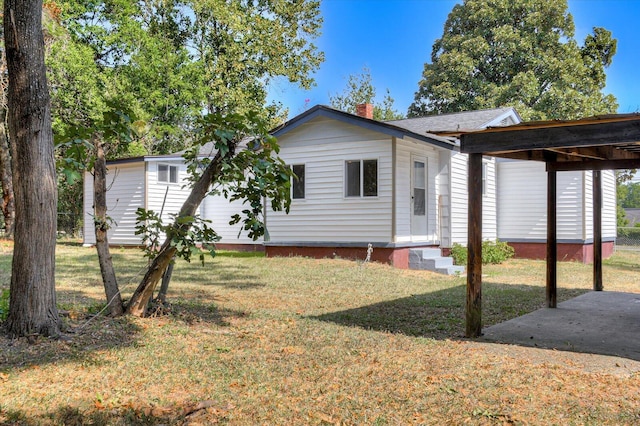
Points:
x=474, y=249
x=597, y=230
x=552, y=240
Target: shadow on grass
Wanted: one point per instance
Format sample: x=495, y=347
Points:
x=621, y=264
x=191, y=311
x=441, y=314
x=206, y=413
x=217, y=275
x=582, y=325
x=84, y=335
x=81, y=338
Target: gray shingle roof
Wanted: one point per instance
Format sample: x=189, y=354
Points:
x=459, y=121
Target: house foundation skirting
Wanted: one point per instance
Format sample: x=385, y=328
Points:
x=240, y=247
x=567, y=251
x=395, y=256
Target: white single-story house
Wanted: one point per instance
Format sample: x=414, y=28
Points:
x=398, y=185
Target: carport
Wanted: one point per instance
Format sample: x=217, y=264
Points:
x=597, y=143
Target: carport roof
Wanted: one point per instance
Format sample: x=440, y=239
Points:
x=594, y=143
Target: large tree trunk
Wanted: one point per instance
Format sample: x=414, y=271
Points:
x=32, y=305
x=159, y=264
x=114, y=299
x=7, y=205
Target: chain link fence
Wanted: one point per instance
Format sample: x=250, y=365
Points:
x=628, y=237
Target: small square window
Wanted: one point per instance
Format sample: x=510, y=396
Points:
x=297, y=184
x=167, y=174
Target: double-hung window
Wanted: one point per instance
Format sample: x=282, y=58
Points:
x=167, y=173
x=361, y=178
x=297, y=182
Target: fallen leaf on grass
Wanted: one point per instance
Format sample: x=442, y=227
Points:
x=156, y=411
x=323, y=417
x=292, y=350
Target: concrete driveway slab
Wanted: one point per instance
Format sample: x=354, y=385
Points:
x=602, y=322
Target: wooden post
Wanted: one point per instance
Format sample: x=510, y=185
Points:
x=552, y=240
x=597, y=230
x=474, y=249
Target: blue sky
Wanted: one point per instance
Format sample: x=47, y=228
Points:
x=393, y=38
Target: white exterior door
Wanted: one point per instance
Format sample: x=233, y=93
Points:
x=418, y=198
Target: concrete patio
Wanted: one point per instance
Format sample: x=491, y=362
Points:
x=605, y=323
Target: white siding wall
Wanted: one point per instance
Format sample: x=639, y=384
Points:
x=522, y=210
x=489, y=201
x=174, y=192
x=460, y=199
x=125, y=195
x=405, y=151
x=326, y=215
x=587, y=232
x=219, y=210
x=609, y=204
x=88, y=234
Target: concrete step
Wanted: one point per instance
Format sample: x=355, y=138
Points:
x=433, y=263
x=425, y=253
x=430, y=259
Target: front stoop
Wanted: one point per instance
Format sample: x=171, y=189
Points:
x=431, y=259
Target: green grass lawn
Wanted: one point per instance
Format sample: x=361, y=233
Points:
x=250, y=340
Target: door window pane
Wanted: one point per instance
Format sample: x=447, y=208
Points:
x=419, y=201
x=419, y=188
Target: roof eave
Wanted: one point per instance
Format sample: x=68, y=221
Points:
x=369, y=124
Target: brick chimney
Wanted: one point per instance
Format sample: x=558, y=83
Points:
x=365, y=110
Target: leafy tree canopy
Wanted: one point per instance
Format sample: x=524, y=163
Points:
x=629, y=195
x=360, y=90
x=519, y=53
x=174, y=61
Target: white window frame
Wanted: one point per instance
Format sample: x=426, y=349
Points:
x=361, y=189
x=169, y=167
